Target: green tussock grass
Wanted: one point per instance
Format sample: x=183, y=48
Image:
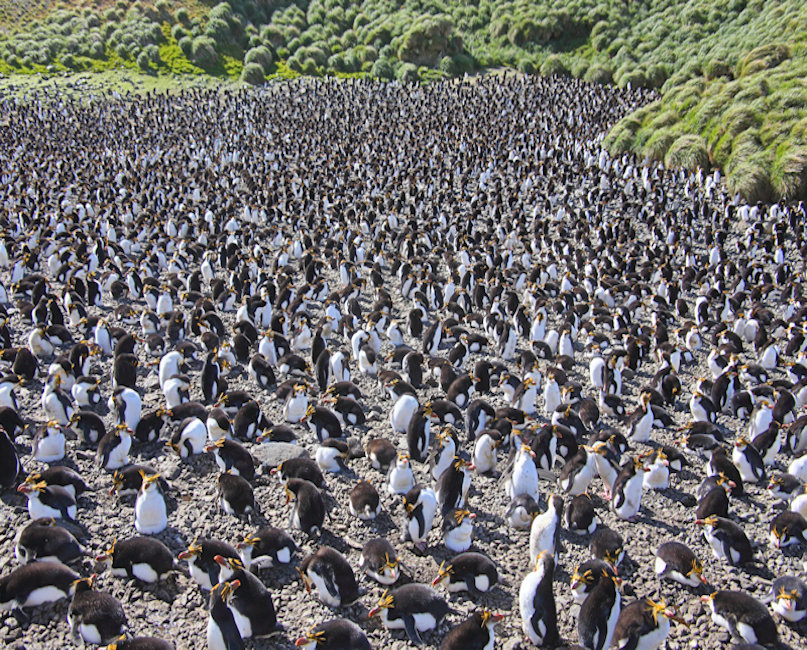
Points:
x=723, y=68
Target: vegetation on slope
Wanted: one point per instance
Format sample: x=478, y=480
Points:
x=732, y=74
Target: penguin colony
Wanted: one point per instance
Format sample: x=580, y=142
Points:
x=533, y=395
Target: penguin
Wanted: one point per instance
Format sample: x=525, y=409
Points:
x=414, y=607
x=598, y=615
x=523, y=478
x=728, y=541
x=719, y=464
x=189, y=438
x=607, y=544
x=90, y=425
x=332, y=454
x=126, y=404
x=458, y=529
x=400, y=478
x=420, y=506
x=748, y=461
x=308, y=511
x=303, y=468
x=48, y=501
x=49, y=443
x=521, y=511
x=347, y=410
x=381, y=453
x=475, y=632
x=545, y=529
x=788, y=528
x=587, y=576
x=536, y=602
x=627, y=489
x=380, y=562
x=578, y=472
x=200, y=556
x=113, y=448
x=453, y=484
x=94, y=616
x=231, y=456
x=235, y=495
x=443, y=452
x=35, y=584
x=657, y=475
x=222, y=632
x=329, y=574
x=580, y=517
x=150, y=509
x=675, y=561
x=322, y=422
x=144, y=558
x=402, y=412
x=472, y=572
x=44, y=541
x=485, y=448
x=364, y=501
x=250, y=603
x=10, y=466
x=643, y=624
x=334, y=635
x=266, y=548
x=789, y=598
x=248, y=421
x=61, y=476
x=139, y=643
x=418, y=433
x=743, y=616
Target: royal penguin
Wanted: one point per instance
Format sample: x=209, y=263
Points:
x=251, y=602
x=128, y=481
x=49, y=443
x=607, y=544
x=402, y=412
x=113, y=448
x=587, y=576
x=644, y=624
x=336, y=634
x=597, y=619
x=580, y=516
x=331, y=455
x=453, y=485
x=44, y=541
x=322, y=422
x=420, y=506
x=675, y=561
x=144, y=558
x=789, y=598
x=303, y=468
x=381, y=453
x=380, y=561
x=788, y=528
x=443, y=452
x=222, y=632
x=400, y=478
x=189, y=438
x=231, y=456
x=201, y=558
x=728, y=541
x=545, y=529
x=521, y=512
x=126, y=405
x=627, y=489
x=745, y=618
x=48, y=500
x=523, y=477
x=748, y=461
x=536, y=602
x=475, y=632
x=458, y=529
x=90, y=425
x=418, y=433
x=578, y=472
x=35, y=584
x=308, y=511
x=266, y=548
x=485, y=450
x=249, y=421
x=94, y=616
x=150, y=509
x=472, y=572
x=329, y=574
x=365, y=502
x=415, y=608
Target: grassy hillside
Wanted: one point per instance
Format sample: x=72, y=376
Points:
x=732, y=73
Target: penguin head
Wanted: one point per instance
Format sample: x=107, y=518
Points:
x=106, y=556
x=149, y=481
x=312, y=639
x=578, y=579
x=710, y=521
x=83, y=584
x=490, y=618
x=403, y=460
x=249, y=540
x=696, y=570
x=229, y=565
x=32, y=485
x=385, y=602
x=225, y=590
x=390, y=568
x=787, y=599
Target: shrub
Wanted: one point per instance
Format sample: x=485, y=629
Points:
x=273, y=35
x=203, y=52
x=219, y=30
x=382, y=69
x=428, y=39
x=153, y=53
x=143, y=61
x=69, y=61
x=260, y=55
x=186, y=45
x=553, y=65
x=751, y=181
x=764, y=57
x=599, y=73
x=407, y=73
x=689, y=152
x=447, y=66
x=253, y=73
x=309, y=67
x=182, y=16
x=178, y=32
x=526, y=66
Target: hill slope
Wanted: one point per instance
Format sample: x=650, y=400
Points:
x=732, y=73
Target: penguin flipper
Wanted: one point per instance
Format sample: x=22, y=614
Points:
x=411, y=629
x=471, y=586
x=213, y=574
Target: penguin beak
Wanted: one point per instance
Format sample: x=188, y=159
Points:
x=374, y=611
x=184, y=555
x=301, y=642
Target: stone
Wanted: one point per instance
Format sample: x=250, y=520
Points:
x=270, y=454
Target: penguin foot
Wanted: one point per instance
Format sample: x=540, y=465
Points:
x=21, y=617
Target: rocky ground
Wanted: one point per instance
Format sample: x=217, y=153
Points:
x=177, y=609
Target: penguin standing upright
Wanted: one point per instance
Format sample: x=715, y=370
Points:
x=201, y=558
x=420, y=506
x=222, y=632
x=545, y=529
x=627, y=489
x=536, y=602
x=251, y=602
x=10, y=466
x=150, y=509
x=599, y=613
x=643, y=624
